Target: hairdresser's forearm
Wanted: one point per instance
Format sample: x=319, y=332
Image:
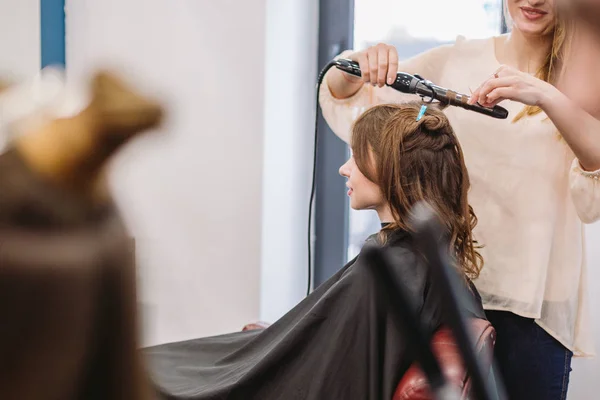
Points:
x=580, y=130
x=341, y=85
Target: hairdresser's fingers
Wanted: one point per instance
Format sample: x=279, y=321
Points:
x=383, y=65
x=474, y=97
x=495, y=83
x=477, y=98
x=373, y=55
x=363, y=62
x=392, y=65
x=504, y=71
x=498, y=95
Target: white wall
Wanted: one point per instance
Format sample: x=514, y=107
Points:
x=191, y=194
x=291, y=68
x=201, y=200
x=20, y=50
x=19, y=38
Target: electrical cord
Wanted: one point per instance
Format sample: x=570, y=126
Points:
x=314, y=175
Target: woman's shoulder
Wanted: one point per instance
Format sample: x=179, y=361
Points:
x=474, y=47
x=394, y=240
x=477, y=56
x=399, y=248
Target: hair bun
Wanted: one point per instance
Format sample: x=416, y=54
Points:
x=434, y=122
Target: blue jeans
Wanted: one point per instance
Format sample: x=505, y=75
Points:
x=532, y=364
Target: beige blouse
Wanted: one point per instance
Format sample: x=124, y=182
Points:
x=527, y=189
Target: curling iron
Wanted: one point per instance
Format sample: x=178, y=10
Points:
x=414, y=84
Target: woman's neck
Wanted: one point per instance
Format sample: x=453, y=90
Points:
x=385, y=214
x=525, y=52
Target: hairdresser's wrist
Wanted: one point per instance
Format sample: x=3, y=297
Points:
x=343, y=85
x=551, y=98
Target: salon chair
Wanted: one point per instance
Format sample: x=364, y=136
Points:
x=414, y=386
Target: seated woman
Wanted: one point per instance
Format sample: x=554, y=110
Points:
x=341, y=342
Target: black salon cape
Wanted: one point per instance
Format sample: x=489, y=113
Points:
x=341, y=342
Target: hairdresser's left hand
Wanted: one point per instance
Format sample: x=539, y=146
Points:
x=508, y=83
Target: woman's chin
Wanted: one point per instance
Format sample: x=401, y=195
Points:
x=360, y=206
x=356, y=205
x=534, y=29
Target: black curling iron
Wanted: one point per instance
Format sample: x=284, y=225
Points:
x=414, y=84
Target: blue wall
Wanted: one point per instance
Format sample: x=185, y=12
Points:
x=52, y=30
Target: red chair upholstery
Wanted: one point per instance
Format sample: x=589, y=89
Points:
x=413, y=385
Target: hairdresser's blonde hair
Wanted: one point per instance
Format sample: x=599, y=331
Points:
x=552, y=68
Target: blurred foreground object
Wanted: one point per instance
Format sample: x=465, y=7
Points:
x=69, y=327
x=27, y=105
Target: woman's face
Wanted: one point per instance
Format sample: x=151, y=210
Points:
x=363, y=193
x=532, y=17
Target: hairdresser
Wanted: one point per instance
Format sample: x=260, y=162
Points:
x=534, y=183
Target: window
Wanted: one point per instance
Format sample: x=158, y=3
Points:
x=413, y=28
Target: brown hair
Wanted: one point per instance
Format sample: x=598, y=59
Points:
x=414, y=161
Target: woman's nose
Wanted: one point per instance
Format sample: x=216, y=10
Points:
x=344, y=170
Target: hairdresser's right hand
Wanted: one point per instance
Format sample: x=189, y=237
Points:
x=378, y=65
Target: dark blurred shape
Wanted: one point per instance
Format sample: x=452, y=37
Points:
x=69, y=327
x=414, y=384
x=585, y=10
x=432, y=242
